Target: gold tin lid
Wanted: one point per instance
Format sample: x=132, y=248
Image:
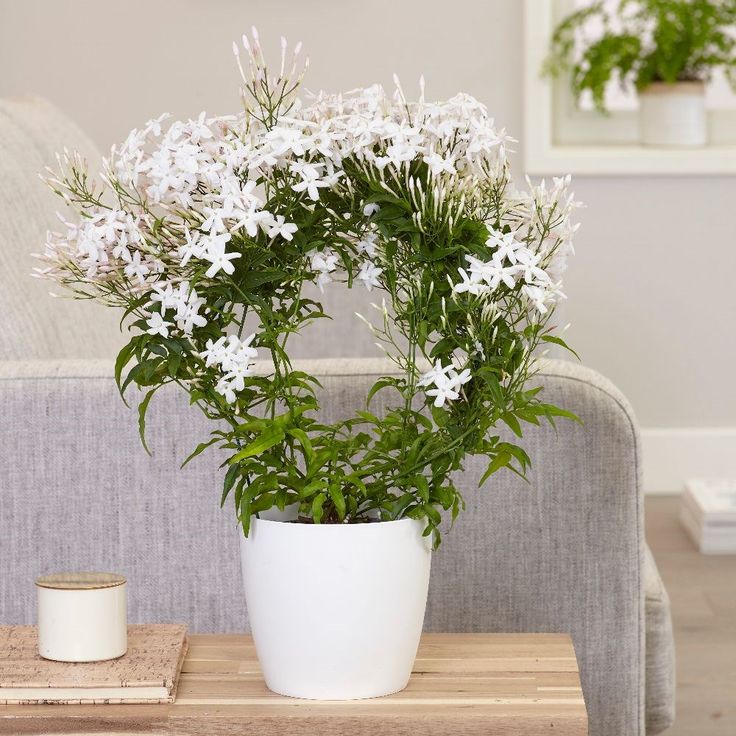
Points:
x=80, y=580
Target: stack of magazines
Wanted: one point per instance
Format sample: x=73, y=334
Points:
x=147, y=673
x=708, y=513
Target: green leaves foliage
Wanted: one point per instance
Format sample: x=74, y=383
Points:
x=396, y=456
x=645, y=41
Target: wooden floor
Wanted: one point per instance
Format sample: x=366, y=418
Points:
x=702, y=590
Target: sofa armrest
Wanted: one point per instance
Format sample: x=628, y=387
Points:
x=660, y=652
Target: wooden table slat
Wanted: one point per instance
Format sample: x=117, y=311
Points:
x=506, y=684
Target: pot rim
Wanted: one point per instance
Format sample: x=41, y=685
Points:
x=689, y=86
x=364, y=525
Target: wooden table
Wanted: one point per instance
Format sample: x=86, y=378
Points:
x=463, y=685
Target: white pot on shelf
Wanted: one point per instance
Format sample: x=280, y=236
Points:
x=336, y=610
x=673, y=114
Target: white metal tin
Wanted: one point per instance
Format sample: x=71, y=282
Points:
x=82, y=617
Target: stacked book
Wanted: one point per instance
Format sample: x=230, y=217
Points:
x=147, y=673
x=708, y=513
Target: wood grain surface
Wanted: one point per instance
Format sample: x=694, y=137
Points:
x=463, y=684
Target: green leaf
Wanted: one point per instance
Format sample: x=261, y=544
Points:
x=173, y=363
x=378, y=385
x=230, y=477
x=358, y=483
x=317, y=505
x=432, y=514
x=402, y=504
x=124, y=357
x=368, y=417
x=338, y=499
x=305, y=443
x=513, y=423
x=244, y=512
x=142, y=373
x=265, y=441
x=422, y=487
x=500, y=461
x=201, y=447
x=257, y=278
x=440, y=416
x=142, y=409
x=550, y=411
x=559, y=341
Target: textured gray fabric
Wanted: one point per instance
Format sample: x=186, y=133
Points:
x=34, y=325
x=562, y=554
x=660, y=654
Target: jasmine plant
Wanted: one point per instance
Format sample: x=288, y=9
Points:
x=203, y=227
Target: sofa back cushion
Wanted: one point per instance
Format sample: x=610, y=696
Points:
x=34, y=324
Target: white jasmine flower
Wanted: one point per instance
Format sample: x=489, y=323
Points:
x=280, y=227
x=214, y=352
x=505, y=245
x=529, y=268
x=235, y=359
x=447, y=388
x=367, y=244
x=537, y=297
x=310, y=182
x=446, y=381
x=369, y=274
x=214, y=252
x=226, y=389
x=188, y=304
x=214, y=222
x=254, y=219
x=471, y=284
x=439, y=164
x=110, y=224
x=286, y=140
x=371, y=209
x=436, y=372
x=153, y=127
x=191, y=248
x=136, y=268
x=324, y=262
x=157, y=325
x=165, y=295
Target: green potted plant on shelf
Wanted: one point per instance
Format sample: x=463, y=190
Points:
x=205, y=234
x=666, y=49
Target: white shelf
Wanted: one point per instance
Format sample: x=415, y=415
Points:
x=545, y=156
x=607, y=160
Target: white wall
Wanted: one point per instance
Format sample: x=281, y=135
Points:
x=652, y=291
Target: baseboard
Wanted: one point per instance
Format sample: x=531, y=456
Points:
x=672, y=456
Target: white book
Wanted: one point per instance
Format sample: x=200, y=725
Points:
x=147, y=673
x=712, y=500
x=709, y=541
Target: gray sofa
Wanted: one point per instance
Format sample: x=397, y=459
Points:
x=565, y=553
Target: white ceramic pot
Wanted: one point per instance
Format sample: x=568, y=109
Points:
x=82, y=617
x=673, y=114
x=336, y=610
